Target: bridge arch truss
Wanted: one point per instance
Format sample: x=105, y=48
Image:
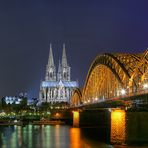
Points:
x=113, y=75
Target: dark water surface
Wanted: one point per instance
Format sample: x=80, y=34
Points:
x=58, y=136
x=34, y=136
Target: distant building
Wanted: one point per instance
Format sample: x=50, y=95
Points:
x=12, y=100
x=57, y=87
x=15, y=99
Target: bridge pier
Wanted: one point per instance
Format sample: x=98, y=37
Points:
x=76, y=118
x=137, y=127
x=121, y=126
x=95, y=118
x=97, y=122
x=118, y=124
x=91, y=118
x=129, y=127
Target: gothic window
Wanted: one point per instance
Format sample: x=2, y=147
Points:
x=43, y=95
x=54, y=92
x=50, y=75
x=67, y=92
x=51, y=93
x=64, y=74
x=61, y=93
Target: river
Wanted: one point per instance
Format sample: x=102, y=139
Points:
x=53, y=136
x=57, y=136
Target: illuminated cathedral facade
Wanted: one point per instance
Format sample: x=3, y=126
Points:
x=57, y=87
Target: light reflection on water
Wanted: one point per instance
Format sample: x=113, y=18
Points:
x=118, y=126
x=33, y=136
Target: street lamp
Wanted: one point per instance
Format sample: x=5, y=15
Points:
x=145, y=86
x=123, y=92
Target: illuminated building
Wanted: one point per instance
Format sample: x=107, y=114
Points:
x=15, y=99
x=57, y=87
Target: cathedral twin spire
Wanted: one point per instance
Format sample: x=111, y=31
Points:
x=50, y=60
x=63, y=68
x=64, y=59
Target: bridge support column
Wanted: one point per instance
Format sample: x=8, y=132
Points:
x=76, y=118
x=118, y=126
x=95, y=118
x=137, y=127
x=129, y=127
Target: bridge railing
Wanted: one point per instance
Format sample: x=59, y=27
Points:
x=98, y=100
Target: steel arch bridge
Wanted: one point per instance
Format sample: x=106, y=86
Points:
x=76, y=97
x=113, y=75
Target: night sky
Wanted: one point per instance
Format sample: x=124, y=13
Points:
x=87, y=27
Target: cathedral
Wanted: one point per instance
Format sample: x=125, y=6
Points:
x=57, y=87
